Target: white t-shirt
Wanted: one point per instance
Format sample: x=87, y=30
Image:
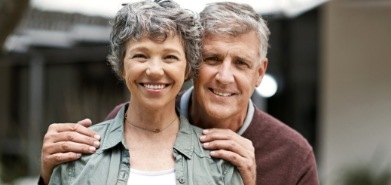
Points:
x=138, y=177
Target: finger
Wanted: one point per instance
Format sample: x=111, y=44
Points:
x=245, y=166
x=85, y=122
x=59, y=158
x=79, y=128
x=70, y=136
x=231, y=146
x=217, y=134
x=242, y=163
x=224, y=134
x=67, y=147
x=232, y=157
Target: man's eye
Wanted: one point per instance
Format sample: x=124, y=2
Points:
x=241, y=63
x=210, y=60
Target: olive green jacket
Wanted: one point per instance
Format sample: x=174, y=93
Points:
x=110, y=164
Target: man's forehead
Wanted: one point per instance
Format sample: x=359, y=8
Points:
x=244, y=44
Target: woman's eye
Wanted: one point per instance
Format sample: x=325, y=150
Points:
x=172, y=57
x=138, y=56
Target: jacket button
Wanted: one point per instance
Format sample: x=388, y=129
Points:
x=181, y=180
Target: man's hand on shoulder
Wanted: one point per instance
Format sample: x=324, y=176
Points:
x=64, y=142
x=230, y=146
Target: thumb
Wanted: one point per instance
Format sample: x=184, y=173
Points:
x=85, y=122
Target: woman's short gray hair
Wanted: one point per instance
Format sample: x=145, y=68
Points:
x=157, y=20
x=234, y=19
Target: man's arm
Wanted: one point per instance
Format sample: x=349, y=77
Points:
x=65, y=142
x=234, y=148
x=226, y=144
x=308, y=173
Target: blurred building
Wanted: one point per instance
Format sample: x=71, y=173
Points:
x=55, y=70
x=331, y=63
x=355, y=89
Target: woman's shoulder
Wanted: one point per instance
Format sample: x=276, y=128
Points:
x=205, y=167
x=101, y=127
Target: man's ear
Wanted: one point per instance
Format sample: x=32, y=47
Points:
x=262, y=70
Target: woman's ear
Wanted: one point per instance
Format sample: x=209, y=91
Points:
x=121, y=72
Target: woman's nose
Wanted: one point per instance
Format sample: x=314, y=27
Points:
x=155, y=69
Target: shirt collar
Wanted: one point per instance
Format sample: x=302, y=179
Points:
x=184, y=142
x=115, y=130
x=185, y=103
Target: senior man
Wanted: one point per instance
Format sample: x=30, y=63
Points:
x=264, y=150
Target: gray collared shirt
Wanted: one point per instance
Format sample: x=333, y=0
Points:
x=110, y=164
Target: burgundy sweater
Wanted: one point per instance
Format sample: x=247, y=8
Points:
x=283, y=156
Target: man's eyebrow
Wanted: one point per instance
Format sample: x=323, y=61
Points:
x=210, y=54
x=241, y=58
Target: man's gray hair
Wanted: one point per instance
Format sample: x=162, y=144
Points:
x=157, y=20
x=229, y=18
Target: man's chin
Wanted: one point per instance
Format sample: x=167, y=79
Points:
x=219, y=112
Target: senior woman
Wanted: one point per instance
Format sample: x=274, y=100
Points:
x=155, y=46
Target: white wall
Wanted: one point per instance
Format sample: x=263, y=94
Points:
x=355, y=85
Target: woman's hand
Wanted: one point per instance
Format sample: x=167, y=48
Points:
x=230, y=146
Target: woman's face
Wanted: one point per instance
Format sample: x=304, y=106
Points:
x=154, y=72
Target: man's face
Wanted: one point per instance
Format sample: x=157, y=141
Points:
x=230, y=71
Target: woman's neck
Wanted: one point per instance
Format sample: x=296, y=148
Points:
x=150, y=150
x=150, y=117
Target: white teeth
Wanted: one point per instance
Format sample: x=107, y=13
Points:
x=154, y=87
x=221, y=93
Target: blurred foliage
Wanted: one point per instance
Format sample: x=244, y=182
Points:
x=11, y=13
x=374, y=172
x=365, y=176
x=13, y=167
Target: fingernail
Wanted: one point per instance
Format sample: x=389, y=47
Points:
x=96, y=143
x=92, y=149
x=205, y=144
x=87, y=119
x=205, y=131
x=202, y=137
x=97, y=137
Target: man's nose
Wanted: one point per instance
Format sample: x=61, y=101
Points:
x=225, y=74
